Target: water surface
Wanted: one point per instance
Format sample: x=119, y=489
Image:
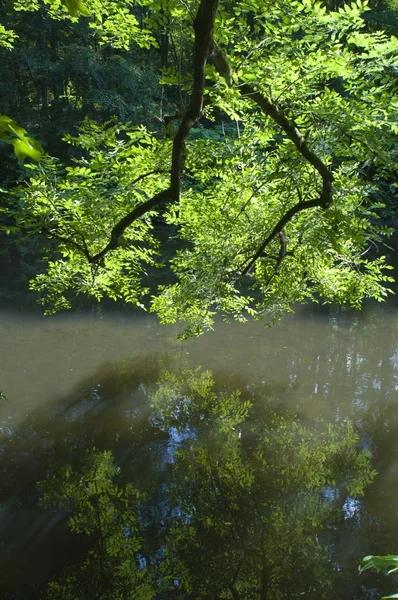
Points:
x=83, y=380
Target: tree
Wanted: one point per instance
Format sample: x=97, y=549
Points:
x=268, y=178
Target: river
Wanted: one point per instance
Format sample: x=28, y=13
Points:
x=85, y=380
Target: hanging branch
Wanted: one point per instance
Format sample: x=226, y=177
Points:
x=326, y=195
x=287, y=217
x=203, y=27
x=271, y=110
x=206, y=50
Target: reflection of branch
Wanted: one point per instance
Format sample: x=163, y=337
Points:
x=234, y=592
x=100, y=532
x=231, y=586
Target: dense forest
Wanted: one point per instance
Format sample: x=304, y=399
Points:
x=198, y=157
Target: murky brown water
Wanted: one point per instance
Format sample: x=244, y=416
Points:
x=82, y=379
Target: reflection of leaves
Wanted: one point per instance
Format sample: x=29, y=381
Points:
x=250, y=498
x=107, y=515
x=188, y=400
x=243, y=507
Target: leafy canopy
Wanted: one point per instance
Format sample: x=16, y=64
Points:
x=272, y=198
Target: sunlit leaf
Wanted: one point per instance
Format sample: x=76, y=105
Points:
x=379, y=562
x=27, y=147
x=76, y=7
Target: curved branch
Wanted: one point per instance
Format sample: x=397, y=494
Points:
x=278, y=229
x=66, y=240
x=325, y=197
x=203, y=28
x=271, y=110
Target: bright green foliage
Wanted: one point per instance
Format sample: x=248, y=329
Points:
x=7, y=37
x=24, y=146
x=252, y=490
x=332, y=81
x=83, y=201
x=107, y=515
x=389, y=562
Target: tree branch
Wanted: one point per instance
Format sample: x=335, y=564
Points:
x=203, y=26
x=273, y=111
x=66, y=240
x=145, y=175
x=278, y=229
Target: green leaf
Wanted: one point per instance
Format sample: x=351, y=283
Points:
x=8, y=126
x=27, y=147
x=379, y=563
x=76, y=7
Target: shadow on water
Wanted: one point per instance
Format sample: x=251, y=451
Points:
x=247, y=493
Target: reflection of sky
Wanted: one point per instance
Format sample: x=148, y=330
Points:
x=351, y=508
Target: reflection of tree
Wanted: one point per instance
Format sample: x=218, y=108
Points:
x=246, y=507
x=253, y=501
x=108, y=516
x=110, y=410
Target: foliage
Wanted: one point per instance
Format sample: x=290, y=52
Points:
x=82, y=202
x=7, y=37
x=24, y=146
x=60, y=71
x=279, y=205
x=245, y=503
x=107, y=516
x=251, y=497
x=380, y=563
x=111, y=22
